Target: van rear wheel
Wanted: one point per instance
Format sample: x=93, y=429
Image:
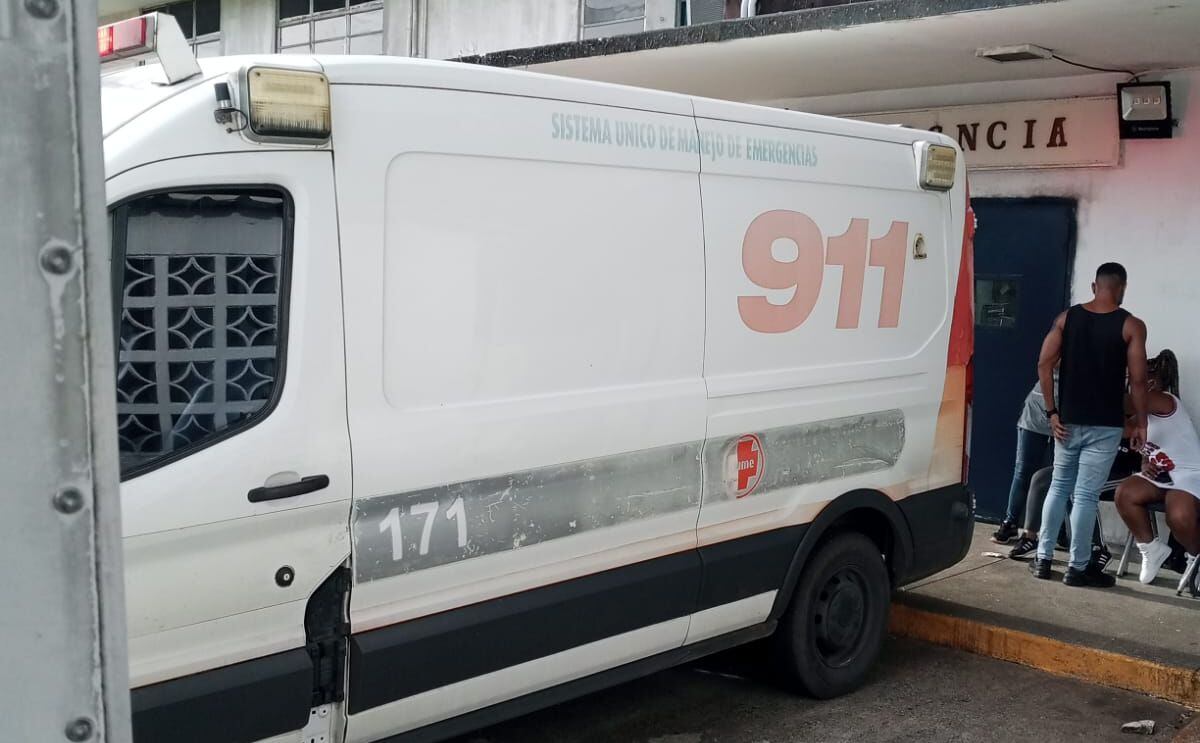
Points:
x=832, y=631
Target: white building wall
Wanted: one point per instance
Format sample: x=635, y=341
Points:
x=114, y=16
x=461, y=27
x=661, y=14
x=400, y=17
x=247, y=26
x=438, y=29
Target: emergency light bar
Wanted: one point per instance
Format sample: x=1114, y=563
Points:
x=286, y=105
x=126, y=38
x=153, y=33
x=939, y=165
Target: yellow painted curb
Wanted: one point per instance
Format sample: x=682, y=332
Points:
x=1181, y=685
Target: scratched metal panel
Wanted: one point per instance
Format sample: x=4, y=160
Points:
x=396, y=534
x=809, y=453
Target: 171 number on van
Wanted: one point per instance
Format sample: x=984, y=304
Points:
x=457, y=513
x=851, y=250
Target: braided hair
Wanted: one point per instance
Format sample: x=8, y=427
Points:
x=1165, y=368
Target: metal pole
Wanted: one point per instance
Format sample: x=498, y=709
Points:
x=62, y=615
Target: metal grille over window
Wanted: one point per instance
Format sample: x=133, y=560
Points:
x=330, y=27
x=695, y=12
x=200, y=21
x=705, y=11
x=200, y=332
x=603, y=18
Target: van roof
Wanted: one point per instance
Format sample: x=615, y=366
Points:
x=131, y=92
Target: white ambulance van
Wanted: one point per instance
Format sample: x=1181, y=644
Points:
x=446, y=392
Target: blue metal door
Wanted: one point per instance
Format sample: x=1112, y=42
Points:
x=1023, y=253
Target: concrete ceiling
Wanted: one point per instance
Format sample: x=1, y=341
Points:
x=1138, y=35
x=107, y=9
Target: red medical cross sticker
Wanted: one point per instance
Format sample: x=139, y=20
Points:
x=748, y=465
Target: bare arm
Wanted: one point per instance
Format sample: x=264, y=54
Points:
x=1159, y=403
x=1135, y=359
x=1049, y=358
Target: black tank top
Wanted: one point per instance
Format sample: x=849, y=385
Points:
x=1091, y=386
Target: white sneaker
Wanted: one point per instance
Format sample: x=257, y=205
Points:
x=1154, y=554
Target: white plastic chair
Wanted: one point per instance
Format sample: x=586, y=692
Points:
x=1190, y=579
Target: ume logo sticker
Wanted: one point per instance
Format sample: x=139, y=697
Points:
x=745, y=465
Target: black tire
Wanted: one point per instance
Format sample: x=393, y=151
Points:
x=831, y=633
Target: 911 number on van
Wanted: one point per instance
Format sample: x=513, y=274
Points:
x=806, y=273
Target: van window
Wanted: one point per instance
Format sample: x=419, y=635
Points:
x=200, y=332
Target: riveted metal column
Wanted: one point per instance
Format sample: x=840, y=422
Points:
x=62, y=610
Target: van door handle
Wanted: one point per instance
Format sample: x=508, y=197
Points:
x=310, y=484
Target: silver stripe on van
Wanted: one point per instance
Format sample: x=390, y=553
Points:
x=395, y=534
x=809, y=453
x=400, y=533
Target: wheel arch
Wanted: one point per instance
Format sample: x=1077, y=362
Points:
x=868, y=512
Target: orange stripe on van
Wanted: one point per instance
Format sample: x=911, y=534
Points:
x=950, y=456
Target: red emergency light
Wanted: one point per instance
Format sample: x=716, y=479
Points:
x=124, y=38
x=153, y=33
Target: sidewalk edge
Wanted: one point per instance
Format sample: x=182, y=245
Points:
x=1173, y=683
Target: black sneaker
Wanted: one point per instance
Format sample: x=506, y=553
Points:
x=1088, y=577
x=1025, y=547
x=1040, y=568
x=1100, y=559
x=1005, y=533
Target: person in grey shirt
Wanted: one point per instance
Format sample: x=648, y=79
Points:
x=1033, y=445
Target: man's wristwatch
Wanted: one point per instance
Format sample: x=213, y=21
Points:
x=1051, y=412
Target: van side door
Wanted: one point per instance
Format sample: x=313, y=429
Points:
x=235, y=453
x=525, y=309
x=825, y=357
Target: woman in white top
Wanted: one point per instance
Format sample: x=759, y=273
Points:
x=1170, y=473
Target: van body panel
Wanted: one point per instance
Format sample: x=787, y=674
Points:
x=516, y=571
x=482, y=692
x=844, y=392
x=180, y=126
x=779, y=118
x=236, y=704
x=598, y=361
x=212, y=559
x=475, y=640
x=452, y=76
x=468, y=484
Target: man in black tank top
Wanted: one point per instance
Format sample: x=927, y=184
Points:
x=1094, y=345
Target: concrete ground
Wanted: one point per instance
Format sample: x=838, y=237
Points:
x=1146, y=622
x=917, y=692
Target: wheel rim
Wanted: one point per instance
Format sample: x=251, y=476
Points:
x=840, y=617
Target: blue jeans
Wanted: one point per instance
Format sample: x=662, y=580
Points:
x=1031, y=452
x=1081, y=466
